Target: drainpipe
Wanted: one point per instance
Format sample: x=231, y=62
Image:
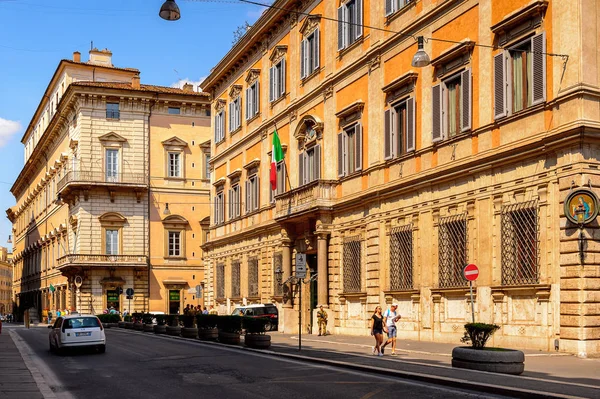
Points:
x=147, y=136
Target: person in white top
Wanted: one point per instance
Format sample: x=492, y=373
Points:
x=391, y=317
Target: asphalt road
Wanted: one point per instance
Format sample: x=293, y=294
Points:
x=147, y=366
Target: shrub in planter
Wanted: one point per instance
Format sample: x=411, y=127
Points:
x=109, y=319
x=147, y=319
x=230, y=328
x=255, y=328
x=207, y=327
x=188, y=330
x=161, y=324
x=478, y=334
x=128, y=318
x=173, y=327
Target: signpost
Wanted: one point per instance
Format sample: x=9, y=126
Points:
x=129, y=292
x=78, y=281
x=471, y=272
x=300, y=274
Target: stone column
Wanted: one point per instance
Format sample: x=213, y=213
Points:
x=322, y=270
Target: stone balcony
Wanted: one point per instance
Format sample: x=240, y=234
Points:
x=75, y=181
x=314, y=196
x=71, y=261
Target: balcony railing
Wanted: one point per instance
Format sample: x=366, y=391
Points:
x=100, y=177
x=101, y=260
x=316, y=194
x=113, y=114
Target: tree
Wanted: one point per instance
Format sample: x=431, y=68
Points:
x=240, y=32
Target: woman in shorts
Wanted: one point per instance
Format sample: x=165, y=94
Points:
x=377, y=327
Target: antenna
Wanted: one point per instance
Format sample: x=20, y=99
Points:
x=91, y=45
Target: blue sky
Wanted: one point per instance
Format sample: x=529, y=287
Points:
x=36, y=34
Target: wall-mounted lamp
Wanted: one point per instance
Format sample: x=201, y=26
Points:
x=166, y=211
x=169, y=11
x=278, y=275
x=9, y=241
x=421, y=58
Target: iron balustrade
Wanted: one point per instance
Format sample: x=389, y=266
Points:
x=101, y=177
x=101, y=258
x=318, y=193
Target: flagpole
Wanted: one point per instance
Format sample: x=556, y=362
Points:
x=287, y=176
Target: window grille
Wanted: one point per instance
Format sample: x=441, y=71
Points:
x=452, y=250
x=352, y=264
x=277, y=264
x=253, y=277
x=220, y=281
x=520, y=243
x=401, y=258
x=235, y=279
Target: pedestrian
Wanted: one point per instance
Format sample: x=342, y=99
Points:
x=205, y=311
x=213, y=310
x=322, y=321
x=58, y=313
x=377, y=328
x=391, y=317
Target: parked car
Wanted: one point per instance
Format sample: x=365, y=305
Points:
x=261, y=310
x=77, y=331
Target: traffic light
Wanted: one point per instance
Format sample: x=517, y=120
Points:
x=119, y=290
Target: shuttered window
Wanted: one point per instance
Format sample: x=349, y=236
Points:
x=350, y=150
x=391, y=6
x=252, y=193
x=234, y=201
x=235, y=114
x=451, y=106
x=309, y=54
x=219, y=216
x=219, y=126
x=252, y=100
x=350, y=21
x=399, y=129
x=277, y=80
x=309, y=165
x=520, y=76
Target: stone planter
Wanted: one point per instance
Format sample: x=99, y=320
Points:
x=257, y=341
x=229, y=338
x=148, y=328
x=208, y=334
x=113, y=324
x=160, y=329
x=495, y=360
x=129, y=325
x=173, y=330
x=189, y=332
x=121, y=324
x=138, y=326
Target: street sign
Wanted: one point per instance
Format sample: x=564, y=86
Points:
x=301, y=265
x=129, y=291
x=471, y=272
x=199, y=291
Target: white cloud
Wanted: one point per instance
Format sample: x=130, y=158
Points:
x=179, y=84
x=7, y=129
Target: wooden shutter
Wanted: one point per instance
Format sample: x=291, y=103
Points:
x=436, y=112
x=341, y=152
x=358, y=146
x=410, y=124
x=387, y=134
x=229, y=205
x=248, y=199
x=341, y=27
x=302, y=57
x=317, y=165
x=271, y=81
x=256, y=97
x=301, y=168
x=248, y=110
x=282, y=79
x=315, y=59
x=231, y=113
x=389, y=7
x=466, y=87
x=238, y=201
x=217, y=128
x=238, y=113
x=499, y=85
x=538, y=70
x=256, y=194
x=359, y=18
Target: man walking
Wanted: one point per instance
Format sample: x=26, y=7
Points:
x=322, y=321
x=391, y=318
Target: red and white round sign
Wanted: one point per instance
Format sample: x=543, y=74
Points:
x=471, y=272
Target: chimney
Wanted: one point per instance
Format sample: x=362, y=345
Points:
x=76, y=56
x=188, y=87
x=135, y=82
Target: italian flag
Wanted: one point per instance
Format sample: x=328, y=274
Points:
x=276, y=156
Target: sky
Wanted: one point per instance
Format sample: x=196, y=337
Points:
x=36, y=34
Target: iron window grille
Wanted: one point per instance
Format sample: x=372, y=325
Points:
x=220, y=281
x=452, y=250
x=352, y=264
x=277, y=265
x=253, y=277
x=401, y=258
x=235, y=279
x=520, y=243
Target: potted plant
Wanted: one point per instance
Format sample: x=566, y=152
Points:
x=173, y=327
x=207, y=327
x=230, y=329
x=147, y=319
x=478, y=357
x=255, y=328
x=129, y=322
x=161, y=324
x=189, y=330
x=137, y=321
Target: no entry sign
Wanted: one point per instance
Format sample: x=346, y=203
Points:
x=471, y=272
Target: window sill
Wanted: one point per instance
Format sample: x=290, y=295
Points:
x=251, y=213
x=451, y=290
x=397, y=13
x=175, y=258
x=278, y=100
x=409, y=292
x=220, y=142
x=353, y=295
x=253, y=118
x=400, y=158
x=233, y=132
x=350, y=47
x=452, y=140
x=175, y=178
x=113, y=119
x=310, y=76
x=352, y=175
x=520, y=114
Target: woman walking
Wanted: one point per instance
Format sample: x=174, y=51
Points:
x=377, y=330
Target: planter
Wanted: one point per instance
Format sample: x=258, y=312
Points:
x=138, y=326
x=129, y=325
x=229, y=338
x=208, y=334
x=160, y=329
x=148, y=328
x=257, y=341
x=189, y=332
x=173, y=330
x=495, y=360
x=114, y=324
x=121, y=324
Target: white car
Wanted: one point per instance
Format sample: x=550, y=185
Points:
x=77, y=331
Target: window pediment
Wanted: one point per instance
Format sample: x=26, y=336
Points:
x=220, y=104
x=219, y=183
x=235, y=174
x=112, y=137
x=235, y=91
x=524, y=19
x=174, y=221
x=400, y=86
x=278, y=53
x=351, y=112
x=454, y=57
x=175, y=142
x=112, y=219
x=252, y=76
x=310, y=24
x=255, y=163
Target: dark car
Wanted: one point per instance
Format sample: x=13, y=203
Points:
x=261, y=310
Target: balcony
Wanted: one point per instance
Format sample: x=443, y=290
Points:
x=97, y=260
x=314, y=196
x=84, y=179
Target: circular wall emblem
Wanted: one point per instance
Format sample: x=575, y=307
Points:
x=581, y=206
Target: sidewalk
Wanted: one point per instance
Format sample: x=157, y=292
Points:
x=16, y=381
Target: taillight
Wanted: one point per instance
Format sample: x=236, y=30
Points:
x=100, y=323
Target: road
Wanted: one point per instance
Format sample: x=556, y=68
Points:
x=148, y=366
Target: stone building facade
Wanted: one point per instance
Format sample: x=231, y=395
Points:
x=104, y=155
x=6, y=272
x=395, y=177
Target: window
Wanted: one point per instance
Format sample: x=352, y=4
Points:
x=520, y=76
x=253, y=277
x=174, y=110
x=112, y=165
x=350, y=150
x=207, y=166
x=220, y=281
x=309, y=165
x=281, y=177
x=451, y=106
x=391, y=6
x=252, y=193
x=520, y=248
x=220, y=207
x=112, y=242
x=235, y=279
x=309, y=57
x=112, y=111
x=174, y=168
x=252, y=100
x=352, y=264
x=401, y=258
x=174, y=243
x=399, y=129
x=235, y=114
x=234, y=201
x=277, y=80
x=220, y=126
x=350, y=20
x=452, y=249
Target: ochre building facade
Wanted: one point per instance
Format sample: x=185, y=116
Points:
x=6, y=273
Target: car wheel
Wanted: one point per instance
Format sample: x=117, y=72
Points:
x=102, y=349
x=268, y=326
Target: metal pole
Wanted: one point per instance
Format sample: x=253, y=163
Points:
x=300, y=315
x=472, y=304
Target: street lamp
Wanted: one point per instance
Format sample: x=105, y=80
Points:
x=166, y=211
x=580, y=215
x=420, y=59
x=9, y=241
x=169, y=11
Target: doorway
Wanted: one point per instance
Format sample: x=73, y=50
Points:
x=174, y=301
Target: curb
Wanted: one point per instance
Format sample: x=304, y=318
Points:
x=432, y=379
x=41, y=383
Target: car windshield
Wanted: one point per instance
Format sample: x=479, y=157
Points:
x=237, y=312
x=81, y=322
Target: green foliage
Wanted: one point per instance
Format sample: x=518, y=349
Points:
x=109, y=318
x=230, y=324
x=147, y=318
x=255, y=325
x=128, y=318
x=187, y=320
x=137, y=317
x=206, y=321
x=161, y=319
x=173, y=320
x=478, y=334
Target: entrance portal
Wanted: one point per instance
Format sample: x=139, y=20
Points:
x=174, y=301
